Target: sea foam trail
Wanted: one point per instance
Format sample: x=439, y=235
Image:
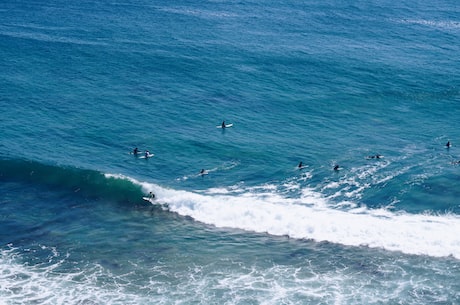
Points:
x=310, y=217
x=45, y=283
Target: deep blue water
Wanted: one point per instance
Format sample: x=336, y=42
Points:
x=318, y=82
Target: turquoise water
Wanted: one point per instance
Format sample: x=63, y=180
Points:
x=318, y=82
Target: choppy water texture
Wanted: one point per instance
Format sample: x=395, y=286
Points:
x=324, y=83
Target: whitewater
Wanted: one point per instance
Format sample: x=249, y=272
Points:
x=313, y=217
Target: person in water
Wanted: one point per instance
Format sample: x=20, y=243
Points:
x=147, y=153
x=448, y=144
x=151, y=195
x=337, y=167
x=135, y=151
x=223, y=124
x=300, y=164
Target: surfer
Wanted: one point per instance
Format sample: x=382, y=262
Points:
x=147, y=153
x=448, y=144
x=377, y=156
x=223, y=124
x=202, y=171
x=300, y=164
x=151, y=195
x=337, y=167
x=135, y=151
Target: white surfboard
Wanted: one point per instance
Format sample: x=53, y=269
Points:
x=139, y=153
x=146, y=156
x=153, y=201
x=226, y=126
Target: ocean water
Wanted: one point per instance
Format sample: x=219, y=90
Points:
x=83, y=83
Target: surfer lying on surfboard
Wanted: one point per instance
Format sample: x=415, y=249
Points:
x=137, y=153
x=203, y=172
x=301, y=166
x=224, y=125
x=377, y=156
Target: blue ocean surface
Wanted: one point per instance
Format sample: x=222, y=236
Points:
x=370, y=86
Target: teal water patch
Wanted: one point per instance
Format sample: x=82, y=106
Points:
x=82, y=182
x=323, y=82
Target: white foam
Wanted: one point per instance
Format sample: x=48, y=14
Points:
x=312, y=216
x=56, y=282
x=353, y=183
x=47, y=37
x=439, y=24
x=45, y=283
x=434, y=235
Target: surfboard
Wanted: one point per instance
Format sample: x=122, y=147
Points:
x=302, y=167
x=154, y=202
x=226, y=126
x=145, y=157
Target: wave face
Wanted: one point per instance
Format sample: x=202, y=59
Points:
x=86, y=183
x=263, y=209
